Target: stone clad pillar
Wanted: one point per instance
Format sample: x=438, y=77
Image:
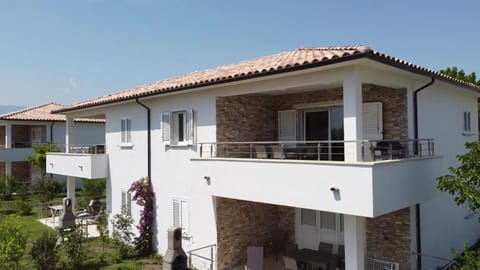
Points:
x=355, y=242
x=352, y=113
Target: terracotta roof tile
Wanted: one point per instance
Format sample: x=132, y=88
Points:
x=43, y=113
x=281, y=62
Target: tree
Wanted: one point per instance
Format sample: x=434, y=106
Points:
x=13, y=242
x=461, y=75
x=39, y=158
x=464, y=181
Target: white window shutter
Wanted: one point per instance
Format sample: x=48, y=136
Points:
x=287, y=125
x=372, y=121
x=184, y=215
x=129, y=204
x=124, y=203
x=122, y=130
x=176, y=213
x=128, y=130
x=189, y=130
x=166, y=133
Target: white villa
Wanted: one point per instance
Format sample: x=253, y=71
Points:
x=20, y=130
x=339, y=145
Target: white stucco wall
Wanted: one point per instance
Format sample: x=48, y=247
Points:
x=442, y=221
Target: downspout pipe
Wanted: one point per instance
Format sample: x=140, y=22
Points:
x=415, y=136
x=149, y=139
x=51, y=131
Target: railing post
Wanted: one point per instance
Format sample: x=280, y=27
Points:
x=419, y=149
x=201, y=149
x=319, y=147
x=189, y=259
x=390, y=150
x=251, y=150
x=433, y=148
x=363, y=151
x=211, y=256
x=212, y=154
x=372, y=150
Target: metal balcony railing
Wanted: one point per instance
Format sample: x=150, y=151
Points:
x=369, y=150
x=80, y=148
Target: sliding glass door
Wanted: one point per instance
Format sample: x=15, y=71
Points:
x=325, y=124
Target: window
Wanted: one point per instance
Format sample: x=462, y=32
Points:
x=178, y=127
x=126, y=203
x=327, y=220
x=126, y=130
x=308, y=217
x=180, y=214
x=467, y=123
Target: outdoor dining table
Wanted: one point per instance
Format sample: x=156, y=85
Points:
x=314, y=258
x=55, y=210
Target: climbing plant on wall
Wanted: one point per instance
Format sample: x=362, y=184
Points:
x=144, y=196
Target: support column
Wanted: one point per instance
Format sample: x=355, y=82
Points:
x=8, y=135
x=352, y=116
x=69, y=141
x=355, y=242
x=8, y=168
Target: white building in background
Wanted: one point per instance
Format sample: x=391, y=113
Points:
x=20, y=130
x=340, y=145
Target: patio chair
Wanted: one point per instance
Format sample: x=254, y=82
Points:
x=341, y=256
x=278, y=152
x=290, y=263
x=260, y=151
x=254, y=258
x=325, y=247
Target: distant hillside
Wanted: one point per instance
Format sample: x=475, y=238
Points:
x=10, y=108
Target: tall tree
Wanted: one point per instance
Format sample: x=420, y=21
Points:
x=461, y=75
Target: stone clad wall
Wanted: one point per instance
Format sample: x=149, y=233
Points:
x=388, y=237
x=254, y=117
x=241, y=224
x=22, y=171
x=2, y=136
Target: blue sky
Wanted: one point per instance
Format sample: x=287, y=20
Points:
x=68, y=51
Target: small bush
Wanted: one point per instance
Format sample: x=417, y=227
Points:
x=468, y=260
x=73, y=246
x=122, y=234
x=13, y=242
x=44, y=251
x=23, y=204
x=8, y=185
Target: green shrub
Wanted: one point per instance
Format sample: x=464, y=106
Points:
x=73, y=246
x=468, y=260
x=23, y=203
x=13, y=242
x=44, y=251
x=94, y=188
x=122, y=234
x=47, y=188
x=8, y=185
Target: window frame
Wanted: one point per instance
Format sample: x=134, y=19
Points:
x=126, y=131
x=171, y=128
x=467, y=122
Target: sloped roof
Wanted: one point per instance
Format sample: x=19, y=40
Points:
x=43, y=113
x=302, y=58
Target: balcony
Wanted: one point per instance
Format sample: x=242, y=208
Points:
x=83, y=161
x=17, y=152
x=389, y=175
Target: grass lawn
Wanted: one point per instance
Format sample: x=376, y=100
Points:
x=92, y=247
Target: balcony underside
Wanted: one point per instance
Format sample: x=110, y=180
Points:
x=89, y=166
x=364, y=189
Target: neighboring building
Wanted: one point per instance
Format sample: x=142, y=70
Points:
x=321, y=142
x=23, y=129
